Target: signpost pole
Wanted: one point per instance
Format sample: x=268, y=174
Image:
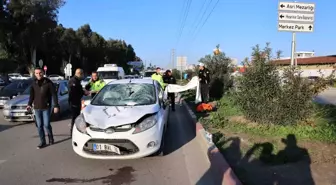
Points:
x=293, y=48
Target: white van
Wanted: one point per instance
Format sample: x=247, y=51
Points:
x=110, y=72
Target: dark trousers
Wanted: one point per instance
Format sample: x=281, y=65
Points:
x=204, y=92
x=171, y=97
x=75, y=111
x=42, y=120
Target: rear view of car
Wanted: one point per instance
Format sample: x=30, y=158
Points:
x=126, y=119
x=55, y=77
x=16, y=109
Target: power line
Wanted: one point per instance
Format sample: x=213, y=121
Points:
x=205, y=20
x=181, y=18
x=205, y=11
x=195, y=22
x=184, y=21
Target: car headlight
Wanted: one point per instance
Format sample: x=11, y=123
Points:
x=6, y=106
x=81, y=124
x=146, y=124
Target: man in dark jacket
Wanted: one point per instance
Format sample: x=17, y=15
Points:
x=76, y=93
x=42, y=91
x=170, y=79
x=204, y=79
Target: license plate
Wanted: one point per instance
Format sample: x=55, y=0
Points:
x=18, y=114
x=106, y=147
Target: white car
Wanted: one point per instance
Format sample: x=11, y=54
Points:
x=55, y=77
x=85, y=81
x=127, y=119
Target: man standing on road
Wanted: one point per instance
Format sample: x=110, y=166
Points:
x=76, y=93
x=95, y=84
x=170, y=79
x=204, y=79
x=42, y=91
x=158, y=77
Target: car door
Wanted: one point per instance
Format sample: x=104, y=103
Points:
x=164, y=108
x=63, y=96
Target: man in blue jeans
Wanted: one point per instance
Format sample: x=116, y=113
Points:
x=42, y=91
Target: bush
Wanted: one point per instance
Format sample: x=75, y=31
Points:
x=265, y=96
x=220, y=69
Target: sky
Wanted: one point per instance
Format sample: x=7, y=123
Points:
x=153, y=27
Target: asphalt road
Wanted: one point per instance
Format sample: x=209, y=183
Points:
x=22, y=164
x=327, y=97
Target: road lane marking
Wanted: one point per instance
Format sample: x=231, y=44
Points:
x=2, y=161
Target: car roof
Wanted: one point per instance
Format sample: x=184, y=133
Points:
x=136, y=80
x=59, y=81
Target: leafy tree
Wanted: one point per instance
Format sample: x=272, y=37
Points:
x=265, y=96
x=220, y=69
x=278, y=54
x=29, y=32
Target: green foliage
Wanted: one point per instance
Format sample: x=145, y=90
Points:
x=30, y=25
x=176, y=73
x=220, y=69
x=265, y=96
x=321, y=126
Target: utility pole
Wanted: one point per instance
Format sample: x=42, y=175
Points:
x=173, y=58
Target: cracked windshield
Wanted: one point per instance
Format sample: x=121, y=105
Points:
x=180, y=92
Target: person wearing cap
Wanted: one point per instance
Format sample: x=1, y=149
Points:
x=170, y=79
x=204, y=79
x=158, y=77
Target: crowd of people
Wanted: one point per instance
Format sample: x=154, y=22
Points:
x=43, y=93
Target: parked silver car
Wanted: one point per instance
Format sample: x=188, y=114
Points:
x=16, y=108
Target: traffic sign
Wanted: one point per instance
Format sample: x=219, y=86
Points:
x=69, y=66
x=41, y=63
x=297, y=7
x=295, y=17
x=295, y=27
x=45, y=68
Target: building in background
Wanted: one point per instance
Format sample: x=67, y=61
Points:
x=181, y=63
x=192, y=67
x=310, y=64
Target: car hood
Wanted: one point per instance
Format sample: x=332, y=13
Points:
x=107, y=116
x=9, y=93
x=19, y=100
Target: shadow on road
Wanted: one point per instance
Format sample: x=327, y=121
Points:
x=181, y=130
x=7, y=126
x=259, y=165
x=123, y=175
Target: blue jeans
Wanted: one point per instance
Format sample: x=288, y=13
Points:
x=43, y=121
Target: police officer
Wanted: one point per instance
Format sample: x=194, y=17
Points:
x=76, y=93
x=204, y=79
x=95, y=84
x=170, y=79
x=158, y=77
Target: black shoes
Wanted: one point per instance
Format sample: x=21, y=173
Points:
x=41, y=145
x=51, y=139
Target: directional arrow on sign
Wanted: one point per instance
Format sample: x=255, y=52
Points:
x=282, y=6
x=281, y=16
x=310, y=27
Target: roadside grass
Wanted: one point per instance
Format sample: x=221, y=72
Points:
x=320, y=127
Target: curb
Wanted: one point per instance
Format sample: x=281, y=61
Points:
x=218, y=165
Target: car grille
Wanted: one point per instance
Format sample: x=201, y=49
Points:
x=125, y=146
x=115, y=129
x=24, y=107
x=4, y=98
